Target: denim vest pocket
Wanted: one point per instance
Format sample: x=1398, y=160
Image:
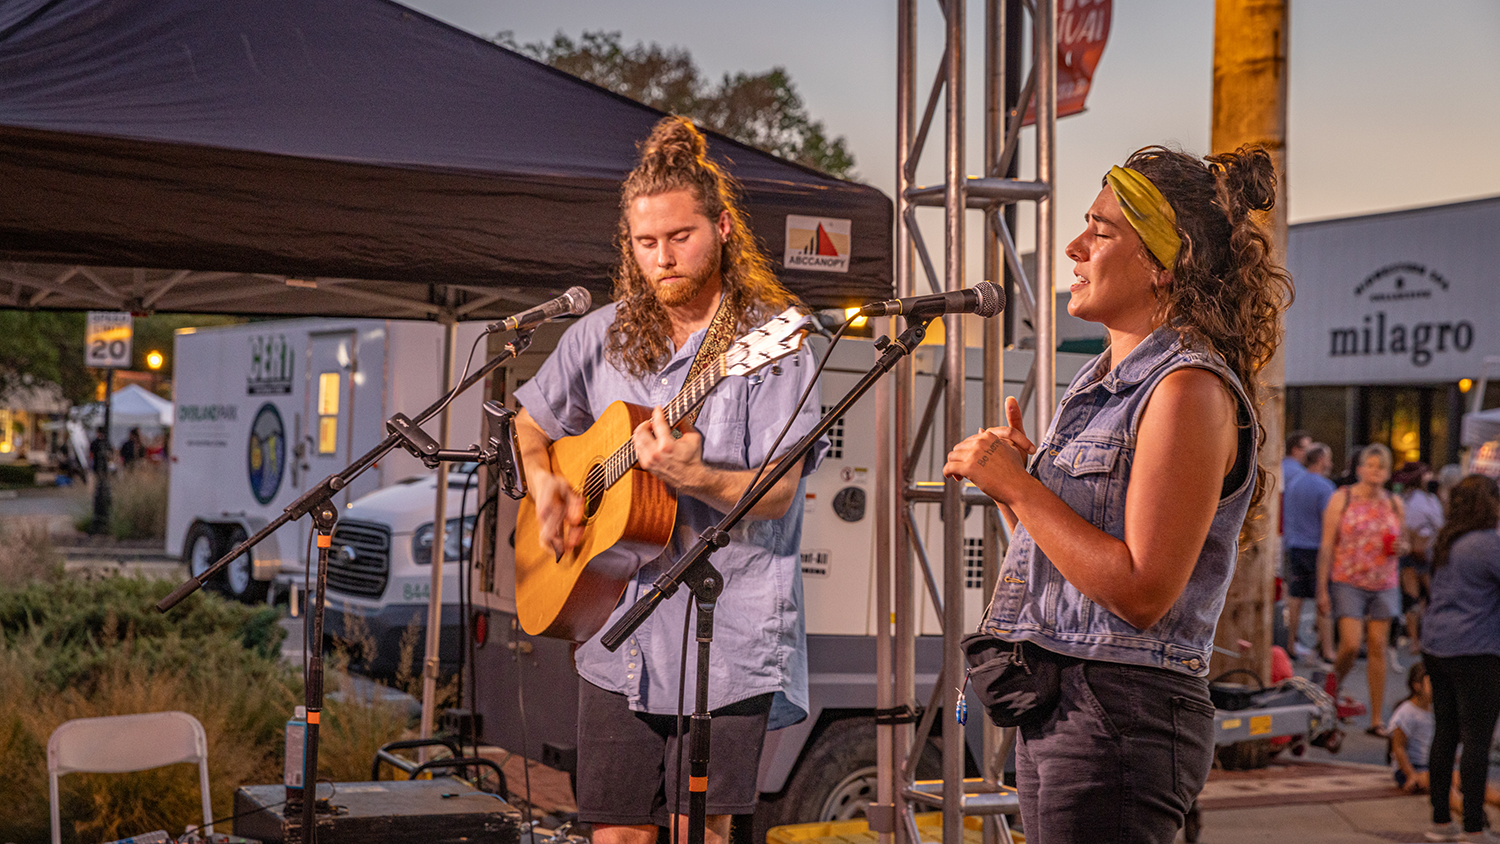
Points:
x=1088, y=464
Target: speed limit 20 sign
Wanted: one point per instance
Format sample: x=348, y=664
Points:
x=107, y=339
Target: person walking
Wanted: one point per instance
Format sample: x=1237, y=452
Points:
x=133, y=449
x=1424, y=518
x=1295, y=461
x=1357, y=580
x=1306, y=498
x=1461, y=649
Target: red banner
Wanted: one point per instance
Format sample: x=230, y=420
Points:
x=1082, y=29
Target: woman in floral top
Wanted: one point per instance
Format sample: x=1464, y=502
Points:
x=1357, y=570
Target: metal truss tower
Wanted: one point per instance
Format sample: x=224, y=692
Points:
x=901, y=734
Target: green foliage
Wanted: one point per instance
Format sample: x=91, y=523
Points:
x=762, y=110
x=138, y=503
x=42, y=346
x=85, y=648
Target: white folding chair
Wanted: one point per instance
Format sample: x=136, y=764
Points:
x=120, y=743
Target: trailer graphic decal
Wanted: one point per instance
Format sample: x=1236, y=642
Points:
x=266, y=457
x=272, y=365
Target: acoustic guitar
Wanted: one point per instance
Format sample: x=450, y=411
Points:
x=628, y=512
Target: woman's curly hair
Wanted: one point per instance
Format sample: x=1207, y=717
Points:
x=1227, y=294
x=675, y=157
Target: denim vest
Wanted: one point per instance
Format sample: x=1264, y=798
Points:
x=1086, y=459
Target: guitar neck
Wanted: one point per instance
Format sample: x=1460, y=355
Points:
x=692, y=394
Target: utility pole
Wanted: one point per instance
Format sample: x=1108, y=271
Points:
x=1249, y=107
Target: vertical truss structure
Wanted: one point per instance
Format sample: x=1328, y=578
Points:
x=994, y=195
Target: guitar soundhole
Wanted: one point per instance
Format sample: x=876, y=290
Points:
x=593, y=490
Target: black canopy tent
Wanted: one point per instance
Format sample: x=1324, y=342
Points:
x=344, y=157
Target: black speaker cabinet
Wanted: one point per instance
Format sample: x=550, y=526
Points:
x=437, y=811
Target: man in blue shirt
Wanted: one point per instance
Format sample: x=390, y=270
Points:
x=688, y=263
x=1307, y=494
x=1292, y=465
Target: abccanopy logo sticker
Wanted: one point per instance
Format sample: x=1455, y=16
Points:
x=816, y=243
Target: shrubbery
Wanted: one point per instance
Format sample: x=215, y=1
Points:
x=83, y=648
x=138, y=503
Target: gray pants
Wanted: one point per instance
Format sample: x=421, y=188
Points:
x=1121, y=758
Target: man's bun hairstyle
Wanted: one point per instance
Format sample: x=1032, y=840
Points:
x=674, y=157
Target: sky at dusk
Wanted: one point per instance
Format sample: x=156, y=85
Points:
x=1393, y=104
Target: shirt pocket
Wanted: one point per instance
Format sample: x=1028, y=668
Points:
x=1089, y=481
x=722, y=421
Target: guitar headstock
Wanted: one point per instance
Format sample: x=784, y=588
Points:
x=778, y=337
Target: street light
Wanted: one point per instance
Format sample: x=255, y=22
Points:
x=154, y=360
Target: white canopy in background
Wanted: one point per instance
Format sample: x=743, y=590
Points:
x=131, y=406
x=1480, y=427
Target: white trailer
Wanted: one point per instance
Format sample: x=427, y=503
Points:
x=265, y=410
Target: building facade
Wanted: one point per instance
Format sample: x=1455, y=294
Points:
x=1395, y=317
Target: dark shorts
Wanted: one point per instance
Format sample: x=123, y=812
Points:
x=1300, y=572
x=626, y=760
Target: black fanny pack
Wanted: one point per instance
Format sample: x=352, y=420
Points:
x=1016, y=682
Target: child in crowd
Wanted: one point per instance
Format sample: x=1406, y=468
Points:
x=1411, y=728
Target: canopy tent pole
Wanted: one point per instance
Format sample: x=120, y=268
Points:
x=439, y=541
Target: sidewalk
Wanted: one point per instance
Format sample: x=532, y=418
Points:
x=1338, y=798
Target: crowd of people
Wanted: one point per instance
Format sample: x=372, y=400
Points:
x=1404, y=558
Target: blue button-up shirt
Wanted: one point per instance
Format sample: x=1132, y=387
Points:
x=760, y=638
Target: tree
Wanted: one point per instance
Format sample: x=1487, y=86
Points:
x=762, y=110
x=44, y=346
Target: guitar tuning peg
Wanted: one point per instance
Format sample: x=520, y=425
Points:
x=776, y=369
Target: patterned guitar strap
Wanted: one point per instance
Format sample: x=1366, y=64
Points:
x=715, y=343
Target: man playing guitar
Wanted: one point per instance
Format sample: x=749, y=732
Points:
x=691, y=278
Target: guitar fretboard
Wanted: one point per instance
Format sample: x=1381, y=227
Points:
x=624, y=458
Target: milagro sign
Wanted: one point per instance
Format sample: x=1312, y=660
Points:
x=1402, y=298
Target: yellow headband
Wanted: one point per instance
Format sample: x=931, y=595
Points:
x=1148, y=211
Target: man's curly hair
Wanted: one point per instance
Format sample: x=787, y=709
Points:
x=675, y=157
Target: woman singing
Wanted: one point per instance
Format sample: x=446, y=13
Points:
x=1126, y=524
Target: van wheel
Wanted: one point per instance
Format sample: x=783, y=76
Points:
x=239, y=580
x=200, y=548
x=836, y=779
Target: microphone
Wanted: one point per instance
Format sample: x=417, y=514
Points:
x=575, y=302
x=985, y=299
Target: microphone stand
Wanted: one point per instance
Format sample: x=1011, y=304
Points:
x=318, y=502
x=695, y=571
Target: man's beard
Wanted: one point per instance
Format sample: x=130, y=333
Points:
x=685, y=290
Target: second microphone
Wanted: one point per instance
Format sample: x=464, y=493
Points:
x=985, y=299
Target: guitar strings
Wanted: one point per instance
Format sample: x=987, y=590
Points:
x=624, y=457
